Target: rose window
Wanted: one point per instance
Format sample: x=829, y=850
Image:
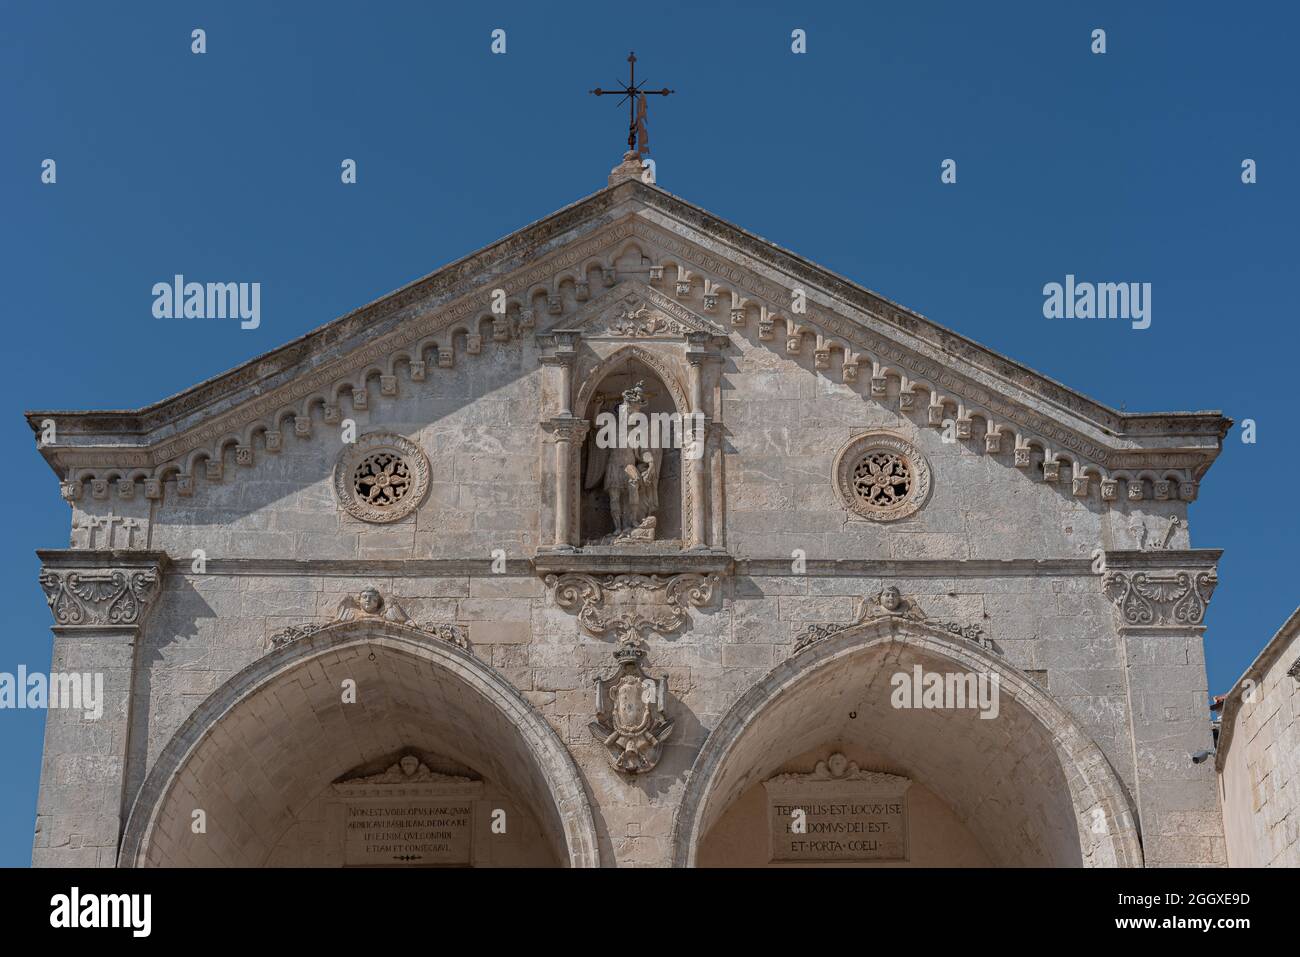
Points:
x=882, y=479
x=382, y=479
x=881, y=476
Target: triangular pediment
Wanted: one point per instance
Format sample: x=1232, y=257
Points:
x=630, y=261
x=634, y=310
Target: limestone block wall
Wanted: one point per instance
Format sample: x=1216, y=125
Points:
x=785, y=424
x=994, y=547
x=1260, y=774
x=476, y=422
x=1053, y=623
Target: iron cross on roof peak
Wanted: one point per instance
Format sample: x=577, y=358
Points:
x=638, y=139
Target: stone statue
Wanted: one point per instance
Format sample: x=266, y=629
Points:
x=629, y=471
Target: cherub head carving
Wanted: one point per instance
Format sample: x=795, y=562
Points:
x=370, y=601
x=891, y=599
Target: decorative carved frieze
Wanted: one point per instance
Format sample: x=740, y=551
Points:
x=370, y=605
x=112, y=593
x=890, y=603
x=642, y=322
x=858, y=322
x=631, y=606
x=630, y=718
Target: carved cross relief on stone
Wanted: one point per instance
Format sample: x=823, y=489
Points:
x=107, y=532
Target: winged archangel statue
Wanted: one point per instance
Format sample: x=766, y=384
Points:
x=628, y=471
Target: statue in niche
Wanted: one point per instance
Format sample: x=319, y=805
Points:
x=628, y=469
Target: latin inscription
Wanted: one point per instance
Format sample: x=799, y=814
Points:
x=408, y=832
x=838, y=812
x=846, y=829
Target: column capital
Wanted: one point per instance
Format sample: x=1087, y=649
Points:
x=1161, y=589
x=567, y=428
x=97, y=589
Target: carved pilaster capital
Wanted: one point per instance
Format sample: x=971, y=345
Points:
x=567, y=428
x=94, y=589
x=1161, y=589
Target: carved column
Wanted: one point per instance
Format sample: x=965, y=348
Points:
x=567, y=433
x=696, y=451
x=561, y=359
x=99, y=600
x=1160, y=598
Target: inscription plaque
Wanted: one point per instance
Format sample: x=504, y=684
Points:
x=415, y=831
x=408, y=816
x=847, y=814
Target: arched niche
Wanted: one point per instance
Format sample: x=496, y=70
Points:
x=1027, y=788
x=601, y=392
x=260, y=752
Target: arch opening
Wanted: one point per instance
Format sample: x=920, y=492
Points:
x=264, y=758
x=1024, y=786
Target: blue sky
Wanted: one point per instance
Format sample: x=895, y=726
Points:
x=1121, y=167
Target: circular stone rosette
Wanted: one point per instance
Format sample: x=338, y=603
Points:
x=881, y=477
x=382, y=477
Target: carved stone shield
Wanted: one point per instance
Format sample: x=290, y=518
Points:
x=630, y=720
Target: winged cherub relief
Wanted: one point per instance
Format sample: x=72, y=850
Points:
x=370, y=604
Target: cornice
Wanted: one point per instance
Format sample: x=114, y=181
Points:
x=266, y=392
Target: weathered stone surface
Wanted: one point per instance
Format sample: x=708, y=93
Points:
x=778, y=650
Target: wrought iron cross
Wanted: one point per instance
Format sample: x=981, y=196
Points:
x=638, y=138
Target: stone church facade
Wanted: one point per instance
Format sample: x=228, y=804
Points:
x=381, y=597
